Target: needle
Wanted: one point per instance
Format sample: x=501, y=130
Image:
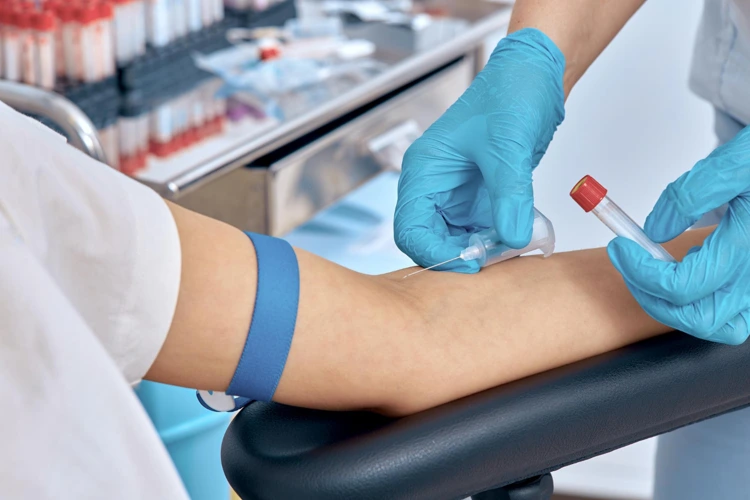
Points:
x=431, y=267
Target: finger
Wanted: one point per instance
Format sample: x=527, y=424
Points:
x=512, y=197
x=711, y=183
x=422, y=234
x=734, y=332
x=667, y=221
x=701, y=319
x=699, y=275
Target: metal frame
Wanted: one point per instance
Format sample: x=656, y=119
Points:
x=72, y=121
x=410, y=69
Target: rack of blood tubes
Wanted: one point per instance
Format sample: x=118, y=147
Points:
x=87, y=39
x=69, y=45
x=169, y=127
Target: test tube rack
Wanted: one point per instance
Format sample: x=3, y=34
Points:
x=274, y=15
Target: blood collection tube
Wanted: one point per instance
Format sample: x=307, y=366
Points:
x=106, y=22
x=29, y=62
x=207, y=13
x=138, y=20
x=194, y=20
x=87, y=17
x=122, y=29
x=218, y=10
x=161, y=131
x=159, y=32
x=55, y=8
x=45, y=26
x=109, y=140
x=3, y=26
x=71, y=40
x=198, y=113
x=11, y=47
x=179, y=19
x=97, y=33
x=592, y=197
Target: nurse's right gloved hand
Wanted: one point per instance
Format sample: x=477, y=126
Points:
x=472, y=168
x=708, y=293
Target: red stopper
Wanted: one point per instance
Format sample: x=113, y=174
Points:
x=44, y=21
x=588, y=193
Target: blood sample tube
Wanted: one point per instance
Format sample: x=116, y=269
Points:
x=207, y=13
x=592, y=197
x=3, y=26
x=87, y=15
x=160, y=133
x=198, y=114
x=29, y=65
x=45, y=26
x=194, y=15
x=138, y=17
x=158, y=23
x=122, y=32
x=11, y=47
x=97, y=34
x=179, y=18
x=218, y=10
x=106, y=21
x=71, y=39
x=109, y=140
x=55, y=8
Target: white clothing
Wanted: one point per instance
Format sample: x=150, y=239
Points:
x=89, y=277
x=721, y=62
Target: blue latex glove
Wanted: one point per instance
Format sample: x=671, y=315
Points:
x=708, y=293
x=472, y=168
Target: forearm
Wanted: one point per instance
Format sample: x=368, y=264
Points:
x=582, y=29
x=396, y=345
x=438, y=336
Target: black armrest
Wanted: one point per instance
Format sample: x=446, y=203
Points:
x=491, y=439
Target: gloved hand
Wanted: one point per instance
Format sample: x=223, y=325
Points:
x=472, y=168
x=708, y=293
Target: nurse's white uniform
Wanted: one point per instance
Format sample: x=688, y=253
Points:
x=89, y=276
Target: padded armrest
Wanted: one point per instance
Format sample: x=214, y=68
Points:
x=490, y=439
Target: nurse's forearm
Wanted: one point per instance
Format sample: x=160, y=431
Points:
x=582, y=29
x=396, y=345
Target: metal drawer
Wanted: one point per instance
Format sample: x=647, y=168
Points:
x=276, y=198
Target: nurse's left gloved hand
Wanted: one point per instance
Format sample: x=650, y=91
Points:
x=472, y=169
x=708, y=294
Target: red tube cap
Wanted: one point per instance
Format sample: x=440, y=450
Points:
x=44, y=21
x=86, y=14
x=22, y=20
x=106, y=10
x=588, y=193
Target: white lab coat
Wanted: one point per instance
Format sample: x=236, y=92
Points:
x=89, y=276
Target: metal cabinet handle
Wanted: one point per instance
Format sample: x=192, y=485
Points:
x=72, y=121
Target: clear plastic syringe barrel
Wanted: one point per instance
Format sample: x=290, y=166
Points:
x=486, y=249
x=592, y=197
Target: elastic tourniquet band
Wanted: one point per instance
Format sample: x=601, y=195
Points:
x=272, y=327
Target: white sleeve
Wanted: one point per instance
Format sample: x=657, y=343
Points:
x=110, y=243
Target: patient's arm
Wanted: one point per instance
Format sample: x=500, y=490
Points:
x=394, y=345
